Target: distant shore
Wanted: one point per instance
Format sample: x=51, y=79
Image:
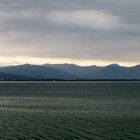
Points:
x=75, y=80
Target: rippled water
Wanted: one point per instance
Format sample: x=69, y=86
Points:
x=70, y=110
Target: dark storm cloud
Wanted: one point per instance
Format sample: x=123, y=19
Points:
x=90, y=29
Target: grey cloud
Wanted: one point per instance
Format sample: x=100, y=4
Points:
x=94, y=29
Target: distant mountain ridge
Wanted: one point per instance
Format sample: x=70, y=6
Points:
x=85, y=72
x=8, y=76
x=38, y=72
x=72, y=72
x=113, y=71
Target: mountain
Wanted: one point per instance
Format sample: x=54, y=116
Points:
x=38, y=72
x=86, y=72
x=113, y=71
x=7, y=76
x=73, y=72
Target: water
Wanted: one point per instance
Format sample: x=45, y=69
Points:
x=69, y=110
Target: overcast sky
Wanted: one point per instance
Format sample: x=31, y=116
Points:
x=84, y=32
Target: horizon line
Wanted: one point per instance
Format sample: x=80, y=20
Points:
x=70, y=64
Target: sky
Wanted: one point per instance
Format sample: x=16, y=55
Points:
x=84, y=32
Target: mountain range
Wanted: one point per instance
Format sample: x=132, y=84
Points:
x=69, y=72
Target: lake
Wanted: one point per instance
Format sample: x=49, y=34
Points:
x=70, y=110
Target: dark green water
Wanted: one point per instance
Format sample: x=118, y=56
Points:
x=70, y=111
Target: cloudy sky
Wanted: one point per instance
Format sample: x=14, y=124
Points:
x=84, y=32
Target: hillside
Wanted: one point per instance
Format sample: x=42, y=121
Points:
x=73, y=72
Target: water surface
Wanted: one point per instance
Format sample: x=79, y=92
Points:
x=69, y=110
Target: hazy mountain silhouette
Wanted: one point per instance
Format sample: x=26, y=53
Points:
x=73, y=72
x=113, y=71
x=116, y=71
x=86, y=72
x=38, y=72
x=7, y=76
